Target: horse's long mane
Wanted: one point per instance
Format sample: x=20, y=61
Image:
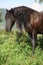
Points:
x=20, y=21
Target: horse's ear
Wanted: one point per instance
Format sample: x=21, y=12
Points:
x=12, y=10
x=7, y=10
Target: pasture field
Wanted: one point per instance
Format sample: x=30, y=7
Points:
x=16, y=49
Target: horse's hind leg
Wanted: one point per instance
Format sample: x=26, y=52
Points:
x=33, y=37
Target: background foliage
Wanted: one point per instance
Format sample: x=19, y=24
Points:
x=0, y=17
x=40, y=1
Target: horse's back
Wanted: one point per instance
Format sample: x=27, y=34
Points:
x=33, y=19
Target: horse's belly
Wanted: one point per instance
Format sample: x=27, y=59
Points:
x=40, y=31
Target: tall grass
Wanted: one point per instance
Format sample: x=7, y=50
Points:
x=16, y=49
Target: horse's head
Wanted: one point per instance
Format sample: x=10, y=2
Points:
x=10, y=19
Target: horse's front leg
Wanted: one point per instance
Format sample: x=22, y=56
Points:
x=19, y=26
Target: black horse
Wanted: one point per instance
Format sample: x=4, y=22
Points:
x=31, y=19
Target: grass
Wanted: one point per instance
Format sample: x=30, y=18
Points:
x=16, y=49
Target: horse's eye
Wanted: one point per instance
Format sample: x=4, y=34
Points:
x=7, y=15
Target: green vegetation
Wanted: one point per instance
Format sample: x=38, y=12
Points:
x=16, y=49
x=40, y=1
x=0, y=17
